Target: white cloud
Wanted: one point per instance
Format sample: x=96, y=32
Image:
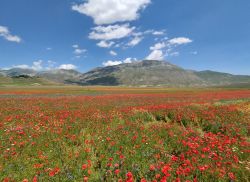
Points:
x=50, y=65
x=67, y=67
x=111, y=63
x=113, y=53
x=75, y=46
x=79, y=51
x=4, y=30
x=5, y=33
x=111, y=11
x=48, y=48
x=155, y=55
x=158, y=46
x=118, y=45
x=22, y=66
x=157, y=51
x=105, y=44
x=117, y=62
x=166, y=48
x=180, y=41
x=37, y=65
x=148, y=31
x=111, y=32
x=135, y=41
x=159, y=32
x=129, y=60
x=13, y=38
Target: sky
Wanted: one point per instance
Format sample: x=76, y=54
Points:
x=84, y=34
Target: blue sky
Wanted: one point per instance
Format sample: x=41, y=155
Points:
x=194, y=34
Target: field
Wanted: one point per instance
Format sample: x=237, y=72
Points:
x=124, y=134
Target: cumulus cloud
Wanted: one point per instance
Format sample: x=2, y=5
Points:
x=113, y=53
x=117, y=62
x=5, y=33
x=111, y=63
x=111, y=32
x=41, y=65
x=129, y=60
x=156, y=55
x=108, y=35
x=111, y=11
x=131, y=36
x=36, y=65
x=22, y=66
x=75, y=46
x=4, y=30
x=135, y=41
x=180, y=41
x=166, y=48
x=79, y=51
x=162, y=32
x=67, y=67
x=105, y=44
x=158, y=46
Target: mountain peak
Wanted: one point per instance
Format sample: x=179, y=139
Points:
x=146, y=63
x=137, y=73
x=146, y=72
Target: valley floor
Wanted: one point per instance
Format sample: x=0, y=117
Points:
x=70, y=133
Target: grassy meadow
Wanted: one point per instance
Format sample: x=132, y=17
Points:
x=71, y=133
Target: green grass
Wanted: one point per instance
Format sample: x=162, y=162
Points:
x=7, y=81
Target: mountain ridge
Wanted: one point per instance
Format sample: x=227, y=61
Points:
x=138, y=73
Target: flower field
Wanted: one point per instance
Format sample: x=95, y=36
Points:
x=124, y=134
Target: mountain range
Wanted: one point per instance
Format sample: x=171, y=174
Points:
x=139, y=73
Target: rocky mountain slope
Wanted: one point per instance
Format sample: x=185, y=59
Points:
x=60, y=75
x=157, y=73
x=140, y=73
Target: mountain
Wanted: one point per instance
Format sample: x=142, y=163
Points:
x=148, y=72
x=218, y=78
x=139, y=73
x=19, y=76
x=60, y=75
x=24, y=80
x=18, y=71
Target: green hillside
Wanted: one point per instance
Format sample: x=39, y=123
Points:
x=24, y=81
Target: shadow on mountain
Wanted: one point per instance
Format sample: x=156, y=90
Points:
x=108, y=80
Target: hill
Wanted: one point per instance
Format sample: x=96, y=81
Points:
x=147, y=72
x=24, y=80
x=218, y=78
x=157, y=73
x=17, y=71
x=60, y=75
x=139, y=73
